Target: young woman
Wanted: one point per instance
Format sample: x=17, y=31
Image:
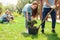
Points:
x=47, y=6
x=28, y=10
x=35, y=13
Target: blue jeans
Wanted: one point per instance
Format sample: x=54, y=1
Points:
x=53, y=16
x=29, y=18
x=5, y=20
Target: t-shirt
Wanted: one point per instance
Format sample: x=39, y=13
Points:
x=52, y=2
x=27, y=8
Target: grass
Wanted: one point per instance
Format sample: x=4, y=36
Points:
x=15, y=31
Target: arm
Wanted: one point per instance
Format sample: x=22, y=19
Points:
x=27, y=15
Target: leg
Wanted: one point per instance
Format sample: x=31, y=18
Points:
x=26, y=23
x=44, y=14
x=53, y=16
x=5, y=20
x=45, y=11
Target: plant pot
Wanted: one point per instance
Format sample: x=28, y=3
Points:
x=33, y=30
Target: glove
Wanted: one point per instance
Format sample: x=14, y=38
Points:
x=53, y=7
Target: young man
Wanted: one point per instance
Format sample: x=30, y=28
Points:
x=47, y=6
x=27, y=11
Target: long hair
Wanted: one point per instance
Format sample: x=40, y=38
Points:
x=35, y=11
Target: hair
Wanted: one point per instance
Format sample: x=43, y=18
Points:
x=6, y=11
x=34, y=12
x=34, y=3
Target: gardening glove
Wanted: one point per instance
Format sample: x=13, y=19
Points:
x=53, y=7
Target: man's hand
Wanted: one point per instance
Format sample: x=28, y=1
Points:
x=53, y=7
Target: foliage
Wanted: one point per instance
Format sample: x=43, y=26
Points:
x=11, y=7
x=31, y=23
x=0, y=8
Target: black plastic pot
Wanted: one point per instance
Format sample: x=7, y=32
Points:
x=33, y=30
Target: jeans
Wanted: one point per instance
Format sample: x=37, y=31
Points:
x=53, y=16
x=5, y=20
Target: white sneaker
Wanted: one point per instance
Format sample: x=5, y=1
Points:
x=26, y=31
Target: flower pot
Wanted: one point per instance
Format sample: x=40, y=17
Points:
x=33, y=30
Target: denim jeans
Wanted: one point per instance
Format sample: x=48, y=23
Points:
x=5, y=20
x=53, y=16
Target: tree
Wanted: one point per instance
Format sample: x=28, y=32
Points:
x=21, y=4
x=11, y=7
x=0, y=8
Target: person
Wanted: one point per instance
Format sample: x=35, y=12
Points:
x=11, y=16
x=4, y=17
x=35, y=13
x=48, y=5
x=27, y=11
x=58, y=7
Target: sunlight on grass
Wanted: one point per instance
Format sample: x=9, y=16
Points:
x=15, y=31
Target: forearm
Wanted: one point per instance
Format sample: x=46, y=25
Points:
x=27, y=15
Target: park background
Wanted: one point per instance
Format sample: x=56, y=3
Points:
x=15, y=30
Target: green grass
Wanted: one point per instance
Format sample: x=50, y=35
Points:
x=15, y=31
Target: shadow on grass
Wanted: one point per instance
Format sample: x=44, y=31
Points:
x=34, y=36
x=25, y=34
x=30, y=35
x=52, y=36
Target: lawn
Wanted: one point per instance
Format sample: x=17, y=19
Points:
x=15, y=31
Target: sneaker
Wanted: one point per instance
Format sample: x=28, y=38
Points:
x=42, y=31
x=26, y=31
x=53, y=31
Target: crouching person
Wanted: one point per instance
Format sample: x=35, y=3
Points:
x=5, y=17
x=27, y=11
